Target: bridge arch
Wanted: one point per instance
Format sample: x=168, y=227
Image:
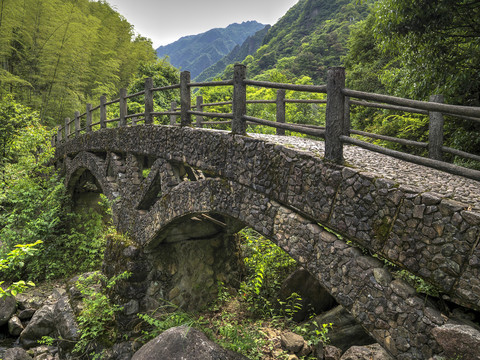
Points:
x=284, y=195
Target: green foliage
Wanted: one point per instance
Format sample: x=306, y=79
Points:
x=420, y=285
x=163, y=74
x=308, y=39
x=416, y=49
x=15, y=258
x=238, y=335
x=319, y=333
x=267, y=266
x=57, y=55
x=96, y=321
x=437, y=43
x=33, y=206
x=164, y=318
x=291, y=305
x=311, y=114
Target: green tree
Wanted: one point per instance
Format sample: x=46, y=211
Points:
x=56, y=55
x=163, y=74
x=438, y=43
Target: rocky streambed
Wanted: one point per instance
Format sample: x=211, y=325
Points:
x=50, y=310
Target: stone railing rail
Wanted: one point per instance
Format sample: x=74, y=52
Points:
x=336, y=132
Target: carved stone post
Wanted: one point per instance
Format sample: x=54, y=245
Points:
x=173, y=118
x=77, y=123
x=239, y=125
x=123, y=108
x=185, y=99
x=335, y=115
x=103, y=112
x=59, y=134
x=148, y=101
x=88, y=121
x=199, y=108
x=67, y=128
x=435, y=130
x=281, y=110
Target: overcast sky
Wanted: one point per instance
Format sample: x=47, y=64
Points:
x=165, y=21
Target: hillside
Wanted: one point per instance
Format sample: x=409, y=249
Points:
x=308, y=39
x=197, y=52
x=238, y=54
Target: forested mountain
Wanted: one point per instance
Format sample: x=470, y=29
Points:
x=308, y=39
x=238, y=54
x=195, y=53
x=55, y=55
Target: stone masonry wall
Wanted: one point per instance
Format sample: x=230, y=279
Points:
x=285, y=195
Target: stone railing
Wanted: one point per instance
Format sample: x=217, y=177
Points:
x=337, y=130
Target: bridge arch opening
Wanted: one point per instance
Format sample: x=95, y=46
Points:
x=191, y=256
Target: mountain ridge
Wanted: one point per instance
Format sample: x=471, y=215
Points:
x=197, y=52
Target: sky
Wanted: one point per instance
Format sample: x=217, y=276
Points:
x=165, y=21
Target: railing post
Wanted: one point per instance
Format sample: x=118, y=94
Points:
x=59, y=134
x=77, y=123
x=346, y=118
x=88, y=121
x=123, y=108
x=67, y=128
x=281, y=110
x=335, y=114
x=435, y=130
x=173, y=118
x=199, y=107
x=185, y=99
x=103, y=112
x=239, y=107
x=148, y=101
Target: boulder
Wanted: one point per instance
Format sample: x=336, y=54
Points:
x=184, y=343
x=313, y=295
x=44, y=353
x=8, y=307
x=15, y=326
x=66, y=325
x=26, y=314
x=120, y=351
x=331, y=353
x=291, y=341
x=371, y=352
x=42, y=324
x=458, y=340
x=345, y=331
x=16, y=354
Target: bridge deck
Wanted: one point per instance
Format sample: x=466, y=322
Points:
x=422, y=178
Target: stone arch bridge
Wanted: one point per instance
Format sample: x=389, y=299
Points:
x=170, y=184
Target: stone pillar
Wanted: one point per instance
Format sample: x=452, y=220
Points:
x=435, y=131
x=173, y=118
x=239, y=125
x=103, y=112
x=185, y=99
x=88, y=122
x=199, y=108
x=335, y=115
x=148, y=101
x=123, y=108
x=186, y=272
x=281, y=110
